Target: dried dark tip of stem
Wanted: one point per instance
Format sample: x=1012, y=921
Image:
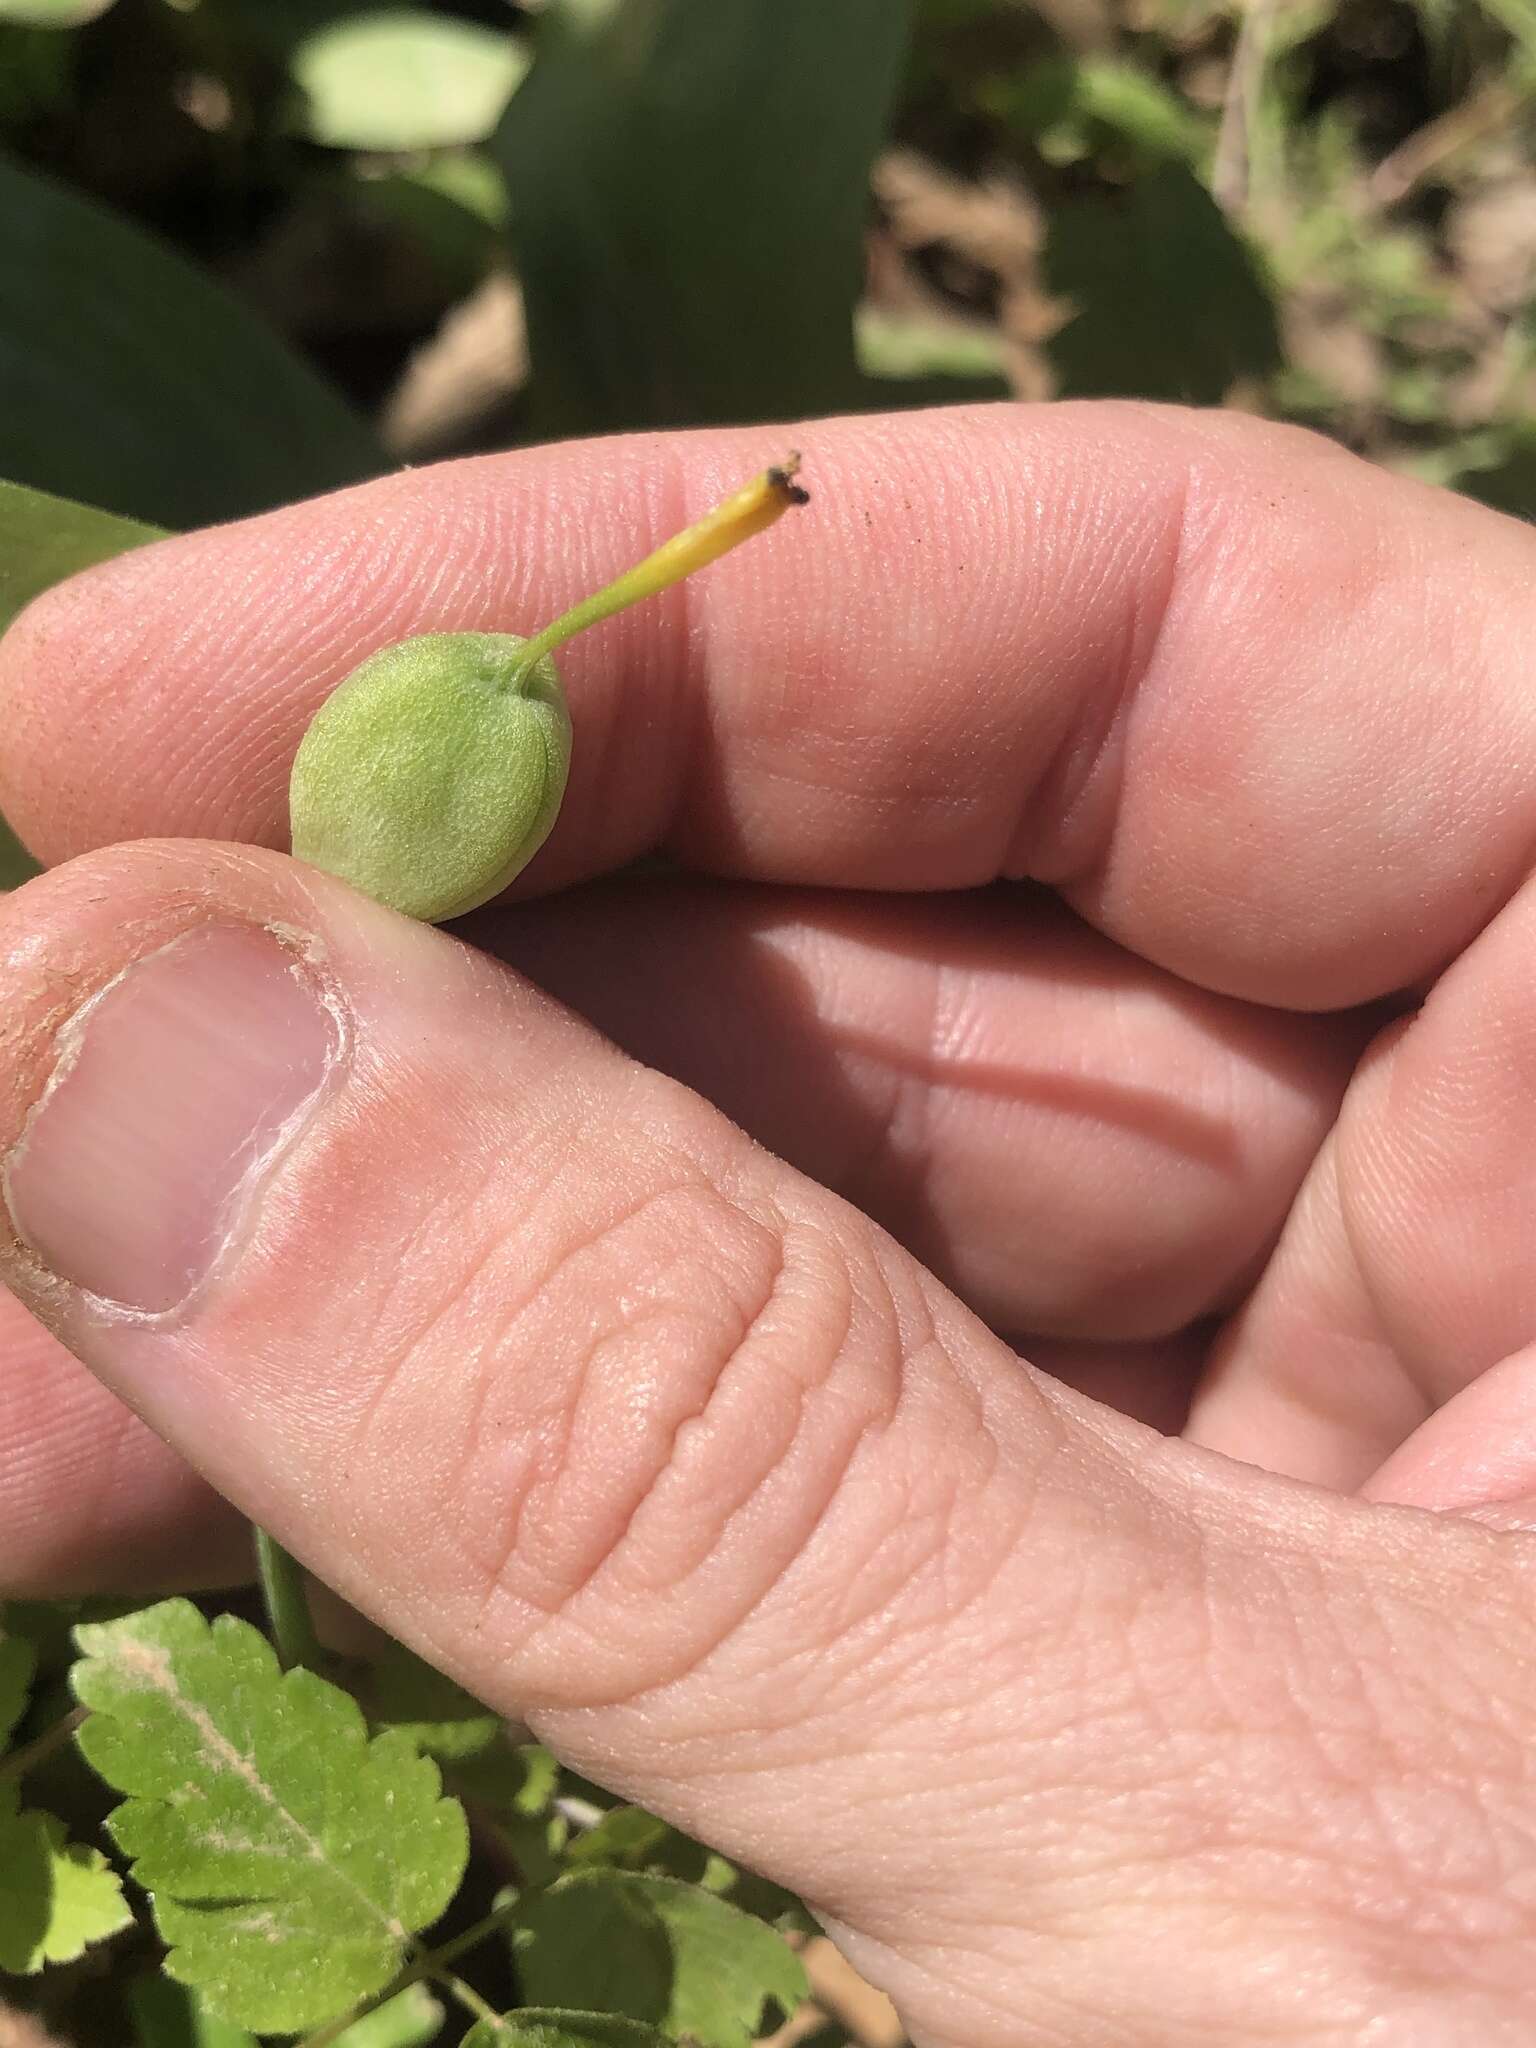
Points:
x=781, y=476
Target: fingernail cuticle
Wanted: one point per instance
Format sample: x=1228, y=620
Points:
x=175, y=1091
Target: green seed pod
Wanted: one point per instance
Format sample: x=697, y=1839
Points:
x=434, y=773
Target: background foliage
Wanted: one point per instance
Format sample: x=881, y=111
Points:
x=252, y=249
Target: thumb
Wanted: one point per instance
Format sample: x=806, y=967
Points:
x=655, y=1444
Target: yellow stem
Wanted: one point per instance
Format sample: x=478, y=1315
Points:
x=749, y=511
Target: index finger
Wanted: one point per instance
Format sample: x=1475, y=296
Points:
x=1260, y=710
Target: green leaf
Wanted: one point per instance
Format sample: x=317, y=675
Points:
x=628, y=1838
x=404, y=79
x=16, y=864
x=168, y=2015
x=1510, y=484
x=291, y=1859
x=903, y=345
x=657, y=1950
x=1172, y=304
x=510, y=1779
x=403, y=1692
x=52, y=13
x=43, y=539
x=36, y=74
x=18, y=1659
x=406, y=2021
x=536, y=1845
x=451, y=207
x=1519, y=17
x=690, y=187
x=56, y=1896
x=1062, y=99
x=132, y=380
x=479, y=1763
x=49, y=1626
x=533, y=2027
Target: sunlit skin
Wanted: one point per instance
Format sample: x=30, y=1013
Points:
x=1062, y=1498
x=432, y=776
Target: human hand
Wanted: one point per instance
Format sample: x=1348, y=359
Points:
x=655, y=1438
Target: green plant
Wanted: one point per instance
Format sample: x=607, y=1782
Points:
x=299, y=1835
x=434, y=773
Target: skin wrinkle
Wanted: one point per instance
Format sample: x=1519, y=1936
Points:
x=497, y=1571
x=680, y=1673
x=935, y=1721
x=1084, y=772
x=1351, y=1197
x=684, y=1428
x=674, y=1680
x=572, y=1404
x=889, y=1649
x=365, y=1424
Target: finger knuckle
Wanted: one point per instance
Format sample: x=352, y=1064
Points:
x=656, y=1429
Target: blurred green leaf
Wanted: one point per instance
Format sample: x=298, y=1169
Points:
x=1519, y=17
x=403, y=1692
x=168, y=2015
x=132, y=380
x=36, y=71
x=1077, y=93
x=535, y=2027
x=658, y=1950
x=57, y=1897
x=689, y=183
x=896, y=347
x=18, y=1665
x=1171, y=304
x=16, y=864
x=42, y=540
x=405, y=79
x=52, y=13
x=1508, y=485
x=453, y=207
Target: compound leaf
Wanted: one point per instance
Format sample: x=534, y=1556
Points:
x=291, y=1858
x=657, y=1950
x=56, y=1896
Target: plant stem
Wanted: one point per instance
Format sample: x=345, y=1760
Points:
x=470, y=1999
x=20, y=1761
x=282, y=1588
x=493, y=1922
x=432, y=1964
x=750, y=510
